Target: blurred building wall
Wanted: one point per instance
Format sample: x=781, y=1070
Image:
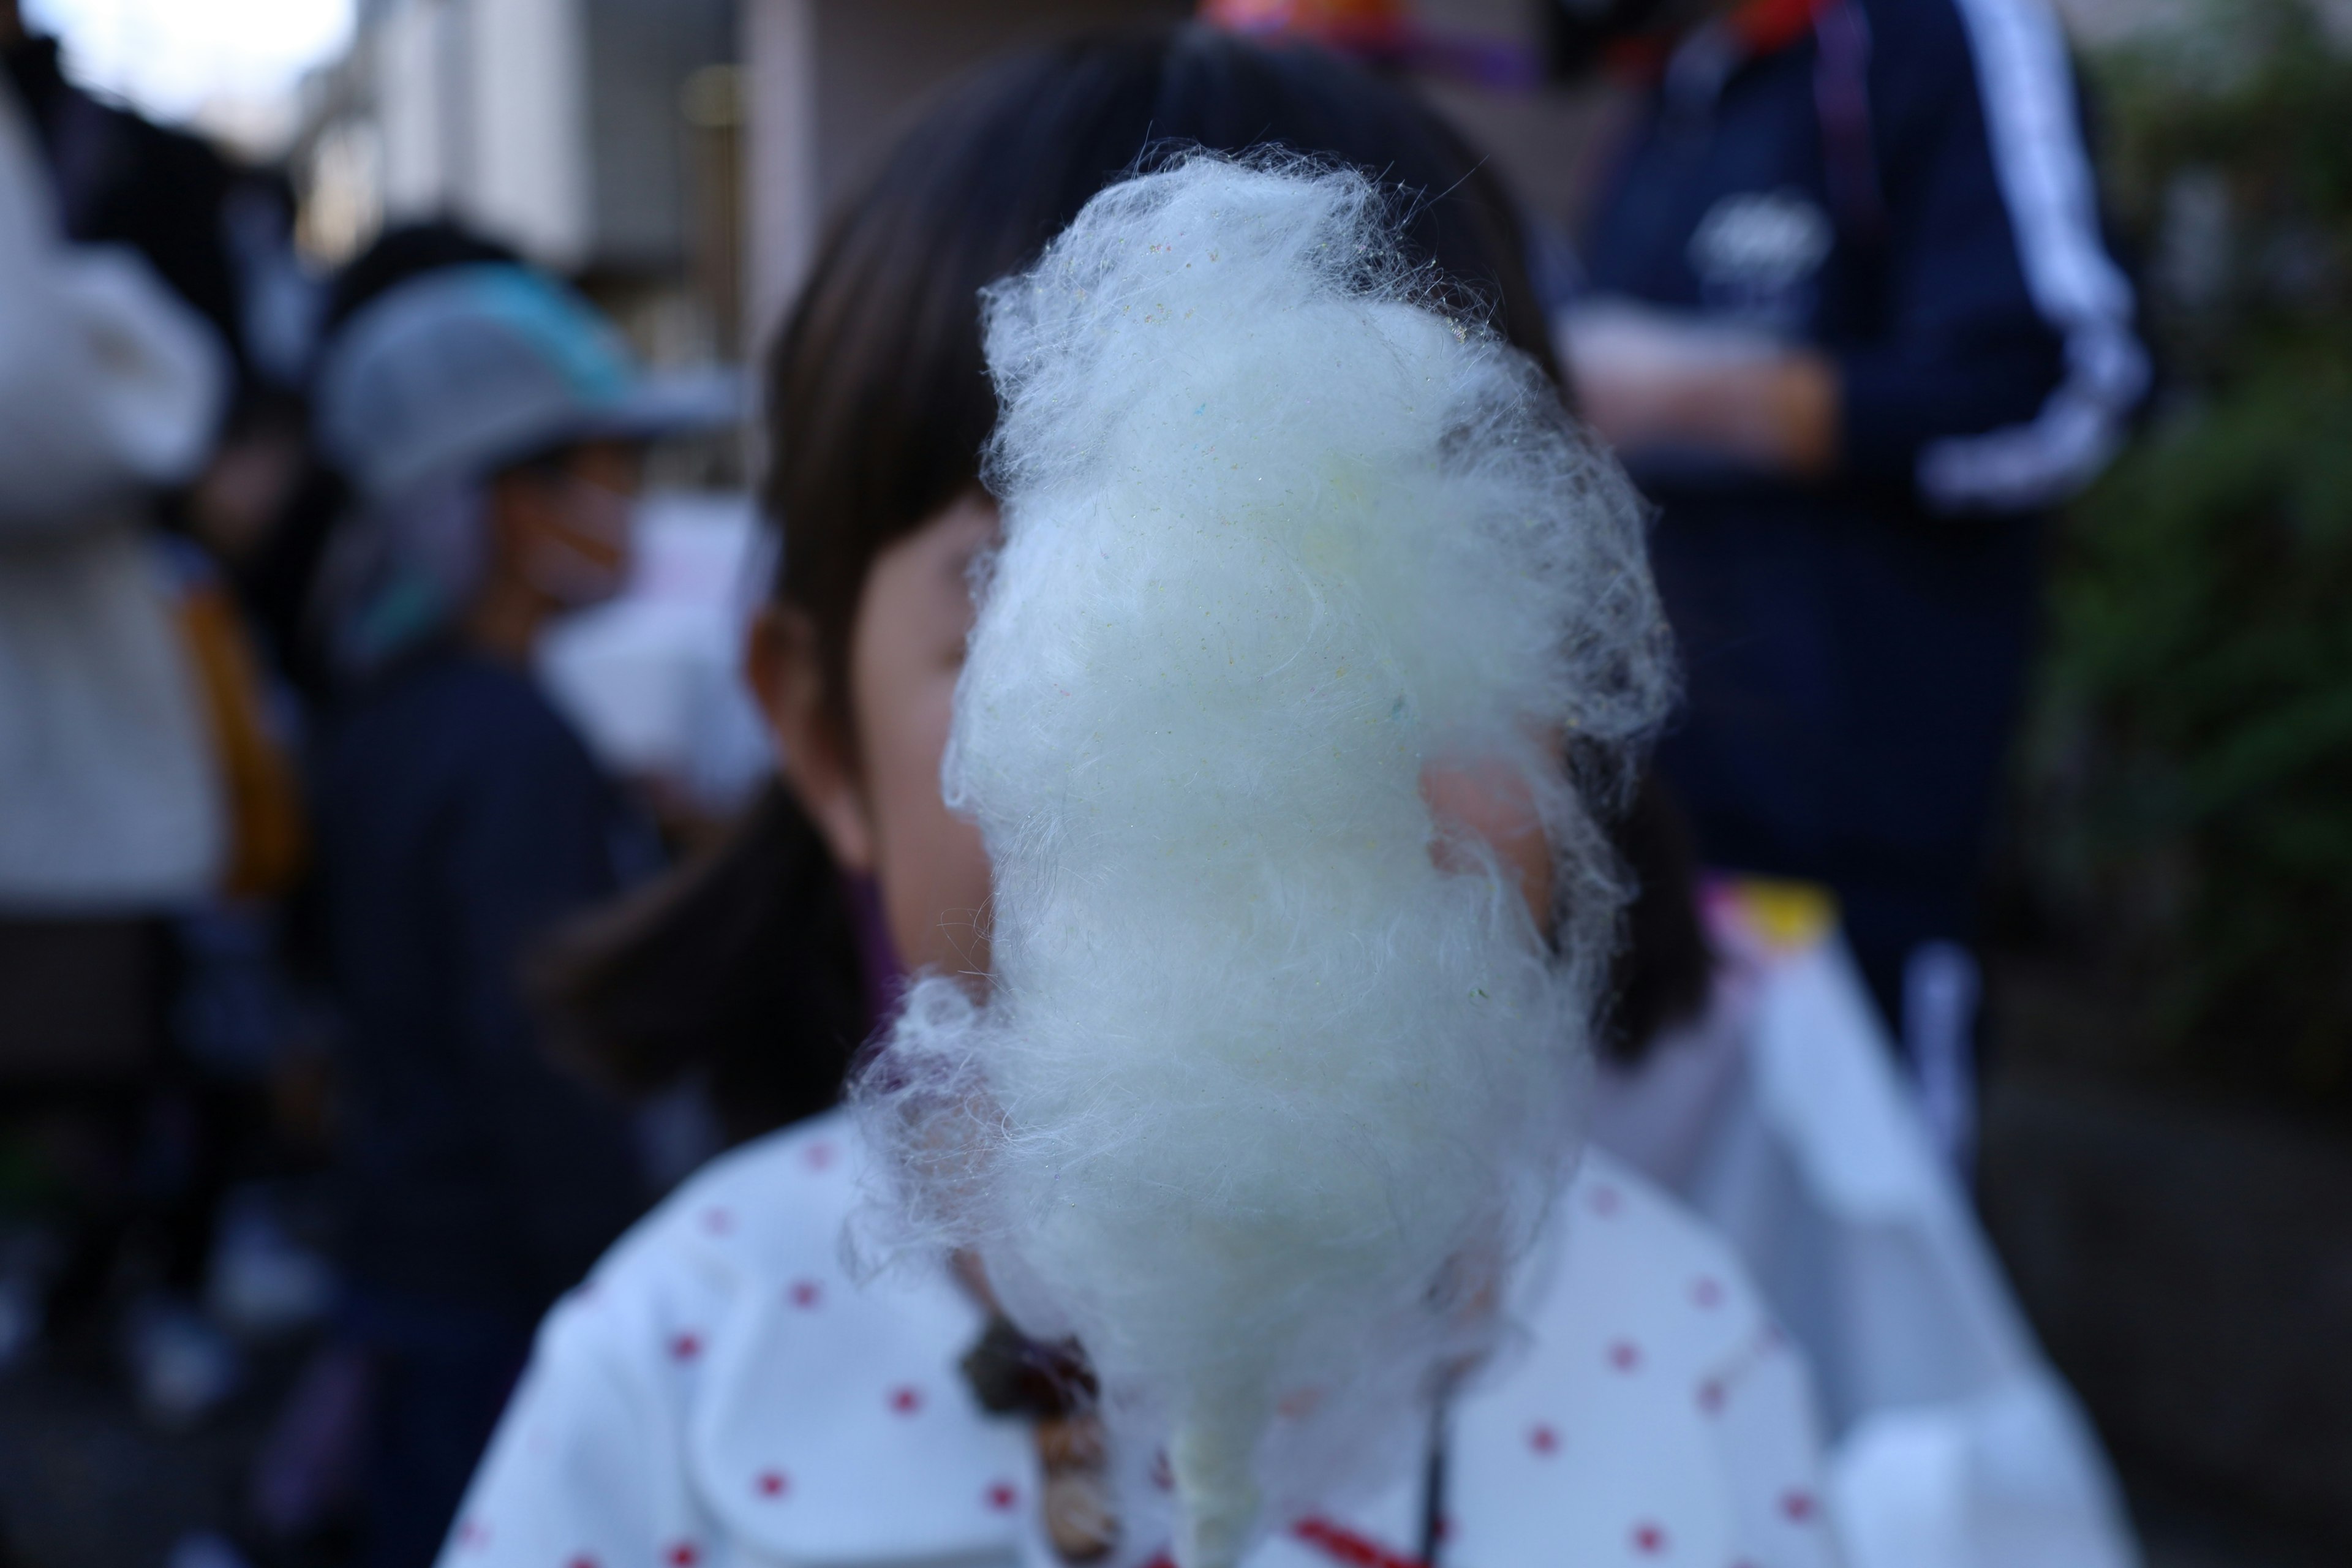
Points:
x=831, y=82
x=640, y=57
x=526, y=169
x=482, y=109
x=596, y=136
x=556, y=125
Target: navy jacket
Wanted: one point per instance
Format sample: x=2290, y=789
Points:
x=460, y=818
x=1902, y=186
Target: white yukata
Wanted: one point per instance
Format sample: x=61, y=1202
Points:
x=720, y=1394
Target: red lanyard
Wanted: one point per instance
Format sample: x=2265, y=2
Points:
x=1768, y=26
x=1761, y=26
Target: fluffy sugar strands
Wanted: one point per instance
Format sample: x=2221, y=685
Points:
x=1275, y=1076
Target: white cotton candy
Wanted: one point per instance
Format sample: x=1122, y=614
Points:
x=1262, y=1103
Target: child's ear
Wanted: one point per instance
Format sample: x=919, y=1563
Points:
x=781, y=664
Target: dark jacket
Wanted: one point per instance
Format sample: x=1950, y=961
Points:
x=460, y=818
x=1902, y=186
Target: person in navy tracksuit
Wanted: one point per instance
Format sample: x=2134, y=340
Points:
x=1850, y=319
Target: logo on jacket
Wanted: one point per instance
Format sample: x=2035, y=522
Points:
x=1753, y=253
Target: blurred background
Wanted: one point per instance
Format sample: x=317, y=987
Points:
x=2166, y=1127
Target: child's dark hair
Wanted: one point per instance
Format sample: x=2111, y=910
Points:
x=878, y=400
x=878, y=404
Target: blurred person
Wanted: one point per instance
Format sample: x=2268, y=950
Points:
x=110, y=389
x=492, y=426
x=724, y=1390
x=120, y=179
x=303, y=1484
x=220, y=235
x=1850, y=321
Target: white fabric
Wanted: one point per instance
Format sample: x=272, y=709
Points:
x=107, y=383
x=654, y=680
x=107, y=799
x=720, y=1392
x=1780, y=1119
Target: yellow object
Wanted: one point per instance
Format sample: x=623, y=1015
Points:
x=269, y=837
x=1786, y=915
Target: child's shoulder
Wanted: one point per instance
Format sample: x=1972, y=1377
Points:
x=762, y=1218
x=783, y=1192
x=1633, y=1297
x=1651, y=1406
x=723, y=1376
x=1630, y=1244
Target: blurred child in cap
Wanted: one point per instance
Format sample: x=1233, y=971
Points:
x=492, y=426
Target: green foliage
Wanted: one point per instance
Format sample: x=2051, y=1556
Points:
x=2188, y=786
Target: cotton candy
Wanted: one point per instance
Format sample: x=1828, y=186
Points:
x=1272, y=1076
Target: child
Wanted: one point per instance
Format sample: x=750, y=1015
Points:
x=492, y=424
x=721, y=1391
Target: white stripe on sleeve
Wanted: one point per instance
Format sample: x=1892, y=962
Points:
x=2028, y=91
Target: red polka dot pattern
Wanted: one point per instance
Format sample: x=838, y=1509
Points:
x=1699, y=1348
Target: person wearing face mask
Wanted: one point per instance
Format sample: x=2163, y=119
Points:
x=492, y=426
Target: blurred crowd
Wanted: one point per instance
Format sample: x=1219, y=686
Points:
x=276, y=551
x=364, y=973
